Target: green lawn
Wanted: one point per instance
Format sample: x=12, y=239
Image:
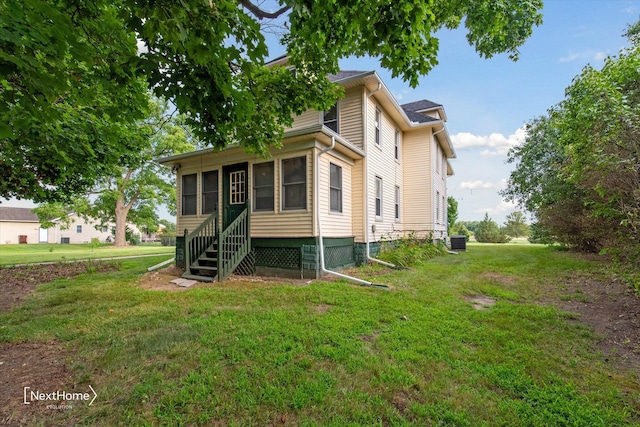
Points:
x=23, y=254
x=334, y=353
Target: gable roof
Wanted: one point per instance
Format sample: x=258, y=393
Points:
x=346, y=74
x=17, y=214
x=422, y=105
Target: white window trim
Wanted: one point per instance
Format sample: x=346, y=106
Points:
x=253, y=189
x=398, y=198
x=337, y=104
x=336, y=212
x=397, y=153
x=306, y=180
x=377, y=128
x=381, y=216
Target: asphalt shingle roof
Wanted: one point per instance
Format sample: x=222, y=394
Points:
x=17, y=214
x=423, y=104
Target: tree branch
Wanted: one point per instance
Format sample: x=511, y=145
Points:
x=261, y=14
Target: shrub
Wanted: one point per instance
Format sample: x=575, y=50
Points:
x=410, y=250
x=489, y=232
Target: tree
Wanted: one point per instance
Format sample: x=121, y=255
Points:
x=516, y=225
x=73, y=76
x=489, y=232
x=452, y=211
x=132, y=191
x=578, y=170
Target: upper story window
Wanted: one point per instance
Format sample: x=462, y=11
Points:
x=209, y=192
x=189, y=194
x=378, y=125
x=330, y=118
x=335, y=188
x=397, y=147
x=263, y=190
x=294, y=183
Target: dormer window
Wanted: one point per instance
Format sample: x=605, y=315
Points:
x=330, y=118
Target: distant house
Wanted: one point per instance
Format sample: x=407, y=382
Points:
x=366, y=170
x=20, y=225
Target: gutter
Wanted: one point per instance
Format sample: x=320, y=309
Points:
x=323, y=270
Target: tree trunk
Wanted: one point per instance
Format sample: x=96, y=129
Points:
x=121, y=223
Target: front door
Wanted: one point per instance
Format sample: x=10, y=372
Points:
x=234, y=191
x=43, y=235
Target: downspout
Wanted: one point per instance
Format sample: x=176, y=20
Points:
x=323, y=270
x=366, y=185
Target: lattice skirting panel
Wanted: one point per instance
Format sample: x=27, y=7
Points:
x=278, y=257
x=338, y=256
x=247, y=266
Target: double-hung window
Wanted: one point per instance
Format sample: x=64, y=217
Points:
x=378, y=124
x=263, y=186
x=378, y=197
x=189, y=194
x=209, y=192
x=335, y=188
x=294, y=183
x=397, y=204
x=330, y=118
x=397, y=147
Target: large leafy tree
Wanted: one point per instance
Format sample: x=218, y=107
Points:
x=516, y=225
x=578, y=170
x=134, y=189
x=71, y=72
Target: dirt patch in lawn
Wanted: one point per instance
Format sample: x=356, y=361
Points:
x=612, y=309
x=17, y=283
x=40, y=367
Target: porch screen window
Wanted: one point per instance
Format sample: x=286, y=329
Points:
x=397, y=203
x=377, y=125
x=330, y=119
x=263, y=186
x=189, y=194
x=335, y=188
x=378, y=197
x=294, y=183
x=209, y=192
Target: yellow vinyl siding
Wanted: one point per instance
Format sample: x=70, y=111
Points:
x=281, y=223
x=306, y=119
x=351, y=115
x=335, y=224
x=357, y=197
x=417, y=198
x=382, y=163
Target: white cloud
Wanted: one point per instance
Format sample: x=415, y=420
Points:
x=584, y=56
x=483, y=185
x=500, y=209
x=499, y=143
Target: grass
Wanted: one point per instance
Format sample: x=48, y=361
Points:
x=334, y=353
x=24, y=254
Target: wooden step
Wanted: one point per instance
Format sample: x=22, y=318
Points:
x=199, y=278
x=204, y=267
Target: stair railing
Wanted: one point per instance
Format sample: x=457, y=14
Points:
x=198, y=241
x=234, y=243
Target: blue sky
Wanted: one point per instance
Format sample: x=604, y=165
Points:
x=488, y=101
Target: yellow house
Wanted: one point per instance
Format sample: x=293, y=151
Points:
x=365, y=171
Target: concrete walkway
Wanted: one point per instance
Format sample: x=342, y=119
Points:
x=85, y=260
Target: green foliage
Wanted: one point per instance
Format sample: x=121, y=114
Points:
x=73, y=80
x=409, y=251
x=578, y=170
x=452, y=211
x=95, y=243
x=489, y=232
x=460, y=229
x=516, y=225
x=469, y=225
